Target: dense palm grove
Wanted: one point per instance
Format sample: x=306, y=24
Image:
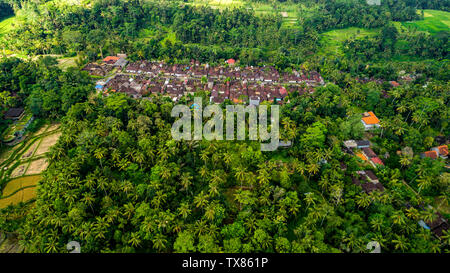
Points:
x=118, y=182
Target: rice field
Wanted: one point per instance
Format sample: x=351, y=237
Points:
x=20, y=171
x=434, y=22
x=6, y=25
x=332, y=41
x=19, y=183
x=19, y=197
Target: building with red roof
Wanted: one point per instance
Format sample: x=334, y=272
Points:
x=231, y=61
x=430, y=154
x=377, y=161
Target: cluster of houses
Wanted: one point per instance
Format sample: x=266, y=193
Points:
x=436, y=152
x=267, y=74
x=241, y=85
x=139, y=86
x=107, y=65
x=361, y=148
x=367, y=180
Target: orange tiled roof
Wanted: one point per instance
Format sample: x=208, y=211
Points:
x=363, y=157
x=443, y=150
x=431, y=154
x=371, y=119
x=377, y=160
x=111, y=58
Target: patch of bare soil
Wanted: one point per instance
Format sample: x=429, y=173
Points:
x=37, y=166
x=47, y=142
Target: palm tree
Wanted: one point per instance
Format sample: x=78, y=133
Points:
x=377, y=223
x=186, y=179
x=363, y=200
x=400, y=242
x=184, y=210
x=201, y=200
x=159, y=242
x=135, y=239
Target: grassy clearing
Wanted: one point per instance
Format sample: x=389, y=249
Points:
x=288, y=11
x=434, y=22
x=65, y=63
x=6, y=25
x=331, y=41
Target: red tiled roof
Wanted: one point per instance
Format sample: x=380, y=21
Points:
x=431, y=154
x=443, y=150
x=394, y=83
x=231, y=61
x=111, y=58
x=377, y=160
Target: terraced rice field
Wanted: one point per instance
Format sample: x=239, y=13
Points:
x=15, y=185
x=21, y=196
x=434, y=22
x=332, y=41
x=22, y=165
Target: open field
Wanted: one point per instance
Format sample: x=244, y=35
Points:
x=7, y=25
x=434, y=22
x=37, y=166
x=46, y=143
x=332, y=41
x=23, y=163
x=288, y=11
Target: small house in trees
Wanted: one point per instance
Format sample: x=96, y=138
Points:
x=376, y=161
x=394, y=83
x=370, y=121
x=284, y=144
x=439, y=225
x=111, y=59
x=442, y=151
x=231, y=62
x=360, y=144
x=14, y=113
x=351, y=144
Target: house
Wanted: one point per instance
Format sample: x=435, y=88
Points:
x=231, y=61
x=370, y=121
x=362, y=144
x=361, y=156
x=254, y=101
x=394, y=83
x=284, y=144
x=371, y=176
x=439, y=225
x=368, y=181
x=111, y=59
x=376, y=161
x=369, y=153
x=121, y=62
x=14, y=113
x=351, y=144
x=442, y=151
x=430, y=154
